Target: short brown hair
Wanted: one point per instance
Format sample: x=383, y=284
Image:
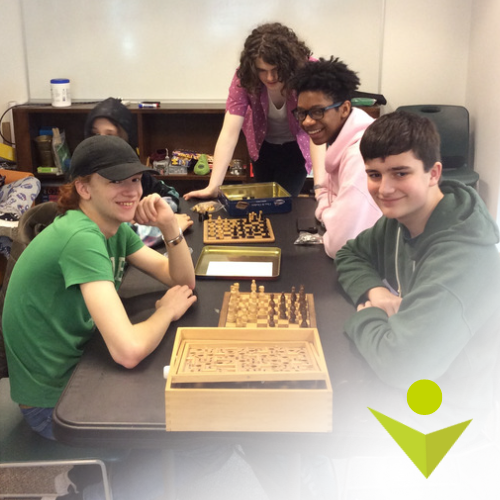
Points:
x=399, y=132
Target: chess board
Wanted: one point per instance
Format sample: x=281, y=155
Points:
x=259, y=309
x=251, y=229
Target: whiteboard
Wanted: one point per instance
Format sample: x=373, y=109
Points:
x=183, y=50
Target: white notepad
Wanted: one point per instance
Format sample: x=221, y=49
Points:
x=255, y=269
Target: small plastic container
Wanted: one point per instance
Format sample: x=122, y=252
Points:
x=61, y=92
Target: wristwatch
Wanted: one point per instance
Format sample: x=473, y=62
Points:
x=174, y=241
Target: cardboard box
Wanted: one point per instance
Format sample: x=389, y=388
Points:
x=268, y=197
x=255, y=380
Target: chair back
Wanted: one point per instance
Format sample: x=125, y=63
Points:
x=31, y=223
x=452, y=123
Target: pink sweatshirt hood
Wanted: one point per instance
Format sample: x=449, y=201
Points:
x=351, y=133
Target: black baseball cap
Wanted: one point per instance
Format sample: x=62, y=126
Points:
x=106, y=155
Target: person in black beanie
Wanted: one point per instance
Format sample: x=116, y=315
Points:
x=112, y=117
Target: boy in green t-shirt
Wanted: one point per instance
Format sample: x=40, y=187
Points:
x=66, y=280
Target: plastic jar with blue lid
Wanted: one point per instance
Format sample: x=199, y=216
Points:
x=60, y=92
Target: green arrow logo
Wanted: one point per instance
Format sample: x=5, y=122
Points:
x=425, y=450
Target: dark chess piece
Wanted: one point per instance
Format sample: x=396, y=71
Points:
x=271, y=320
x=293, y=295
x=271, y=301
x=302, y=307
x=283, y=311
x=293, y=317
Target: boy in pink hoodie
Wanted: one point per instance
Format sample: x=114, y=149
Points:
x=325, y=113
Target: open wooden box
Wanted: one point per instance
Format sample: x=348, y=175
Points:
x=243, y=379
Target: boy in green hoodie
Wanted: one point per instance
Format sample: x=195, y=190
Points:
x=425, y=278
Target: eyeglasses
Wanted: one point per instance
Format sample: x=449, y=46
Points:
x=314, y=113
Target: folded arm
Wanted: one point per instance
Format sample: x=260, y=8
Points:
x=129, y=344
x=420, y=341
x=178, y=268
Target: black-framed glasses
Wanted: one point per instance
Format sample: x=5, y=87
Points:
x=314, y=113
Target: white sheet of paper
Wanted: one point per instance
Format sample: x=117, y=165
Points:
x=257, y=269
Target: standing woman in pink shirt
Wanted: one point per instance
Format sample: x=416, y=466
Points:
x=261, y=104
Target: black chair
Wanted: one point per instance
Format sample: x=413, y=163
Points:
x=452, y=123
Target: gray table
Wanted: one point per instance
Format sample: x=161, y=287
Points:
x=107, y=404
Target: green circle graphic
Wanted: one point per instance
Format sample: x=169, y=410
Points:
x=424, y=397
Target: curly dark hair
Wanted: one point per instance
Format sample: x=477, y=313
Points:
x=275, y=44
x=399, y=132
x=330, y=76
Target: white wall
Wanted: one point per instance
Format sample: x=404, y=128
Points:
x=13, y=77
x=483, y=99
x=182, y=49
x=425, y=52
x=441, y=51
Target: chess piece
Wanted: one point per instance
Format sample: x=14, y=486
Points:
x=262, y=313
x=271, y=301
x=303, y=310
x=240, y=323
x=271, y=320
x=283, y=312
x=252, y=316
x=231, y=316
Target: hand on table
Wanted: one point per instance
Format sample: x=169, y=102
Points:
x=184, y=221
x=177, y=300
x=208, y=192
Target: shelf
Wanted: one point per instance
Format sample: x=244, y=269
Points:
x=192, y=126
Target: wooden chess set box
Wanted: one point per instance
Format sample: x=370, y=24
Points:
x=258, y=309
x=254, y=228
x=249, y=379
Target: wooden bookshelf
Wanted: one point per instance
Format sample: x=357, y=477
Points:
x=191, y=126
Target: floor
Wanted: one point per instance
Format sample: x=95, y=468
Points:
x=474, y=475
x=461, y=476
